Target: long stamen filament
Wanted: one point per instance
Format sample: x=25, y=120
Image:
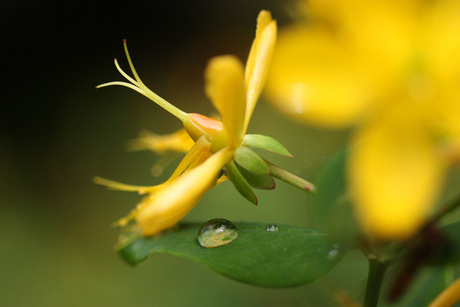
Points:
x=131, y=86
x=137, y=85
x=125, y=74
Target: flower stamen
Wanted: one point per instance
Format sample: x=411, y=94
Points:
x=138, y=86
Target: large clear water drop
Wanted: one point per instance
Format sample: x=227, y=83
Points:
x=217, y=232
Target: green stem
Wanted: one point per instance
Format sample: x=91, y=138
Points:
x=290, y=178
x=377, y=270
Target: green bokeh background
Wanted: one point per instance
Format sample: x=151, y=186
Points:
x=57, y=131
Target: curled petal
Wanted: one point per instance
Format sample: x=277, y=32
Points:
x=168, y=206
x=395, y=175
x=225, y=88
x=260, y=57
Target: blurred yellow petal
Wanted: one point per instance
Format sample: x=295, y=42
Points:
x=441, y=44
x=440, y=41
x=313, y=79
x=178, y=141
x=168, y=206
x=225, y=88
x=395, y=174
x=373, y=28
x=258, y=63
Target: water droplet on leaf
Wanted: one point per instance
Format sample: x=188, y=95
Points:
x=332, y=254
x=271, y=227
x=217, y=232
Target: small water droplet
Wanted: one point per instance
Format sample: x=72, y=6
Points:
x=271, y=227
x=332, y=254
x=217, y=232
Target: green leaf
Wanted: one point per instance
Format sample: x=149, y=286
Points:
x=249, y=160
x=240, y=182
x=451, y=249
x=288, y=257
x=264, y=182
x=265, y=142
x=331, y=204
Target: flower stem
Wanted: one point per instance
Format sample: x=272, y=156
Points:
x=377, y=270
x=290, y=178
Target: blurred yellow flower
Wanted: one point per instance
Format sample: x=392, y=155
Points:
x=234, y=91
x=390, y=69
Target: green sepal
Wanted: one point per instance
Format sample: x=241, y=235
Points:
x=264, y=182
x=240, y=182
x=265, y=142
x=250, y=161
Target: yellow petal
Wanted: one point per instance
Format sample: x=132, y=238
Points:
x=197, y=155
x=350, y=54
x=440, y=40
x=260, y=57
x=199, y=152
x=178, y=141
x=449, y=297
x=225, y=88
x=167, y=207
x=441, y=45
x=313, y=79
x=395, y=174
x=382, y=31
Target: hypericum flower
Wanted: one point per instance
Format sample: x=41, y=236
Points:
x=392, y=70
x=234, y=91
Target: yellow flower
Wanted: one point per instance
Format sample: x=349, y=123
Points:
x=234, y=91
x=390, y=69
